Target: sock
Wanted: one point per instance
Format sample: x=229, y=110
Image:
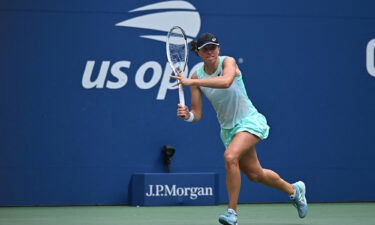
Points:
x=235, y=213
x=293, y=195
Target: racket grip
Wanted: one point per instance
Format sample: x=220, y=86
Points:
x=181, y=95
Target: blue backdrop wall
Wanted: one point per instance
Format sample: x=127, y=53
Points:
x=86, y=100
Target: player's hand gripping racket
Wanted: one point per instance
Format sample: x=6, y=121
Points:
x=177, y=54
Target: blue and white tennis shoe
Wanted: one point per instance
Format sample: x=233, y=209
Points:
x=299, y=199
x=229, y=218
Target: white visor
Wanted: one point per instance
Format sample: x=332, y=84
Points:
x=208, y=43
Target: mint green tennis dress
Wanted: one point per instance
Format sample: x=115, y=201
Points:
x=233, y=107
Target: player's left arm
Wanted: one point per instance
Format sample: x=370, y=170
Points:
x=224, y=81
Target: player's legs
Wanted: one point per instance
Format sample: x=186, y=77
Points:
x=241, y=155
x=250, y=166
x=242, y=143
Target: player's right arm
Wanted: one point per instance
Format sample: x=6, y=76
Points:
x=196, y=104
x=196, y=100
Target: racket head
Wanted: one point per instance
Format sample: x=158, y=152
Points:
x=177, y=54
x=177, y=49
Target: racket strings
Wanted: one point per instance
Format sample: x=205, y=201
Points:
x=177, y=50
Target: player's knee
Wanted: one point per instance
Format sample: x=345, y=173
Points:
x=230, y=159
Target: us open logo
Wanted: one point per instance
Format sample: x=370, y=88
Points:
x=370, y=56
x=157, y=18
x=183, y=13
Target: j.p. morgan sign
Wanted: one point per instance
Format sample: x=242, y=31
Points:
x=174, y=189
x=193, y=193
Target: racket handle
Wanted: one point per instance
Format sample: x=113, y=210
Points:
x=181, y=95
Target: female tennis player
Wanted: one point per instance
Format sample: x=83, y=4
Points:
x=242, y=126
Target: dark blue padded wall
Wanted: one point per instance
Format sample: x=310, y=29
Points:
x=86, y=100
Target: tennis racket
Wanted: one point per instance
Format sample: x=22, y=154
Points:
x=177, y=54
